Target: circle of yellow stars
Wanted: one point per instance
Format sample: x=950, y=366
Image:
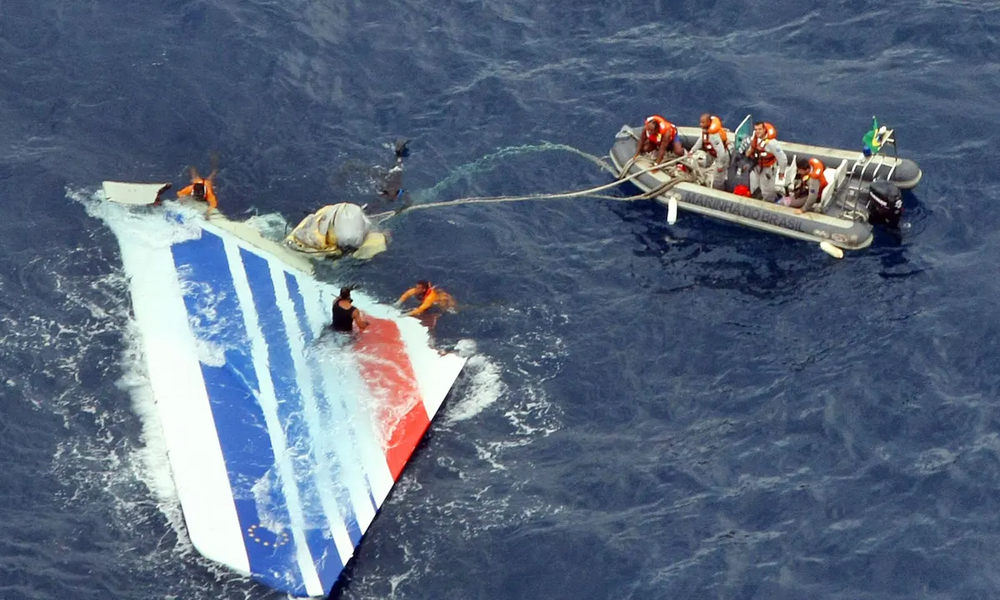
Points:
x=280, y=539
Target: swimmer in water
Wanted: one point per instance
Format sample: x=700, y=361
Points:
x=429, y=296
x=346, y=315
x=201, y=189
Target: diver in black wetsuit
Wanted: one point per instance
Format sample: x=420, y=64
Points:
x=390, y=182
x=384, y=182
x=345, y=315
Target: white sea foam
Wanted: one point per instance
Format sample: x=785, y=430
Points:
x=272, y=226
x=480, y=387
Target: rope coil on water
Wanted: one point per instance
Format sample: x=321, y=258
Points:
x=485, y=163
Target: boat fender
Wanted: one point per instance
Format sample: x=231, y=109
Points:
x=672, y=210
x=832, y=250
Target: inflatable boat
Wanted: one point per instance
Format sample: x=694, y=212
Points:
x=283, y=438
x=863, y=189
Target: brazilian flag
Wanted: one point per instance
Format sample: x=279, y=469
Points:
x=871, y=140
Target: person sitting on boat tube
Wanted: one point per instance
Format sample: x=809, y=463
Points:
x=345, y=314
x=658, y=134
x=715, y=143
x=808, y=188
x=429, y=296
x=767, y=155
x=201, y=189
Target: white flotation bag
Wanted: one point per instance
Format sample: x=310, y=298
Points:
x=336, y=228
x=350, y=225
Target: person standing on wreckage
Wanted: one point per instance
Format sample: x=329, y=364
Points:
x=767, y=156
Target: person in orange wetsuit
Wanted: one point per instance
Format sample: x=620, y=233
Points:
x=201, y=189
x=429, y=296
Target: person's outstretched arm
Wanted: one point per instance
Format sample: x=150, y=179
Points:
x=642, y=140
x=210, y=195
x=406, y=295
x=359, y=320
x=427, y=303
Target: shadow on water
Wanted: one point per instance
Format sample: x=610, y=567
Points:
x=755, y=263
x=891, y=243
x=720, y=255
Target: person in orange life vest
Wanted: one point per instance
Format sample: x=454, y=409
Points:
x=767, y=156
x=201, y=189
x=659, y=134
x=808, y=188
x=429, y=296
x=715, y=143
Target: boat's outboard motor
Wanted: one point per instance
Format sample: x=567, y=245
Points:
x=885, y=204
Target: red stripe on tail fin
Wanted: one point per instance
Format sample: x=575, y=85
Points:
x=401, y=416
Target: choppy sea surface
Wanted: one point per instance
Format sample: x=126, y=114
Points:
x=649, y=411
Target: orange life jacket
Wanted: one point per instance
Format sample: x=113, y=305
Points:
x=664, y=128
x=816, y=171
x=209, y=192
x=715, y=127
x=764, y=158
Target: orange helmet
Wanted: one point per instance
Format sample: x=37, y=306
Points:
x=816, y=168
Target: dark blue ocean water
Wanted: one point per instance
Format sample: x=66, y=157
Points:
x=695, y=411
